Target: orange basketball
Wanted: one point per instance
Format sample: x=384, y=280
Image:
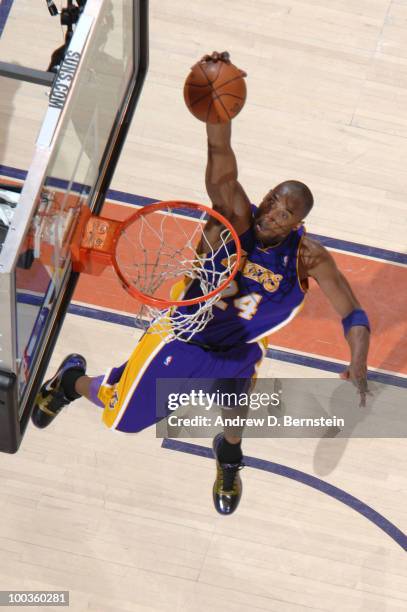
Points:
x=215, y=92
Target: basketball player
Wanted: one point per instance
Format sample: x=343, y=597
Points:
x=267, y=292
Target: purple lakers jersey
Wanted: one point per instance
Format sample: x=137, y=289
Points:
x=265, y=294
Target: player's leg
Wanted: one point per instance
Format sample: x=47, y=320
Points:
x=133, y=404
x=227, y=488
x=88, y=386
x=127, y=393
x=52, y=396
x=241, y=364
x=69, y=383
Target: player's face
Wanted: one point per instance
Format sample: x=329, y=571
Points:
x=277, y=215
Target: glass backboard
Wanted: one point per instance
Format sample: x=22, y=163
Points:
x=90, y=106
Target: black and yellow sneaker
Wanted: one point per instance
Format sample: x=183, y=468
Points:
x=227, y=488
x=52, y=396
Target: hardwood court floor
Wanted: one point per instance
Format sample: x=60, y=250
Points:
x=125, y=524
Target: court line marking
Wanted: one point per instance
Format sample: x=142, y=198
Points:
x=318, y=363
x=345, y=246
x=384, y=376
x=370, y=252
x=308, y=479
x=315, y=362
x=306, y=354
x=401, y=263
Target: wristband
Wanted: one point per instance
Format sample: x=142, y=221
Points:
x=356, y=317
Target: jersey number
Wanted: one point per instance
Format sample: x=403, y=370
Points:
x=247, y=304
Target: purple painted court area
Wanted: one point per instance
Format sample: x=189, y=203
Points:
x=137, y=200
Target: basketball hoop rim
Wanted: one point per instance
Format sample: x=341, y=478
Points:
x=151, y=208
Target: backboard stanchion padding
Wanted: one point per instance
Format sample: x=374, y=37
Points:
x=10, y=433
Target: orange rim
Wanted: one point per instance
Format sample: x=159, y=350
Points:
x=162, y=303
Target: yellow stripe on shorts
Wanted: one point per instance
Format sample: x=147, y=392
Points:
x=116, y=397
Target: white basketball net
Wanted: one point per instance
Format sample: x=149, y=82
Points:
x=165, y=245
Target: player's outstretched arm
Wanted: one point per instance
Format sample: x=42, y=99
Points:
x=227, y=195
x=320, y=265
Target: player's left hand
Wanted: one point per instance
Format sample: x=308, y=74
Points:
x=357, y=374
x=224, y=56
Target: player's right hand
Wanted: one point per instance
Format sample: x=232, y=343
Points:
x=357, y=374
x=224, y=56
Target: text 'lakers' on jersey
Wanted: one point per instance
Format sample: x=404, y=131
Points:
x=265, y=294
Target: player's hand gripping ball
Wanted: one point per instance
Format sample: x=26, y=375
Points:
x=215, y=90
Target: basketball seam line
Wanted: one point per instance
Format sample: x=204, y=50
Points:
x=196, y=85
x=230, y=95
x=230, y=81
x=218, y=75
x=218, y=97
x=207, y=94
x=224, y=107
x=201, y=98
x=204, y=73
x=206, y=76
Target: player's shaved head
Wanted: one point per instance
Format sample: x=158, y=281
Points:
x=281, y=211
x=298, y=193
